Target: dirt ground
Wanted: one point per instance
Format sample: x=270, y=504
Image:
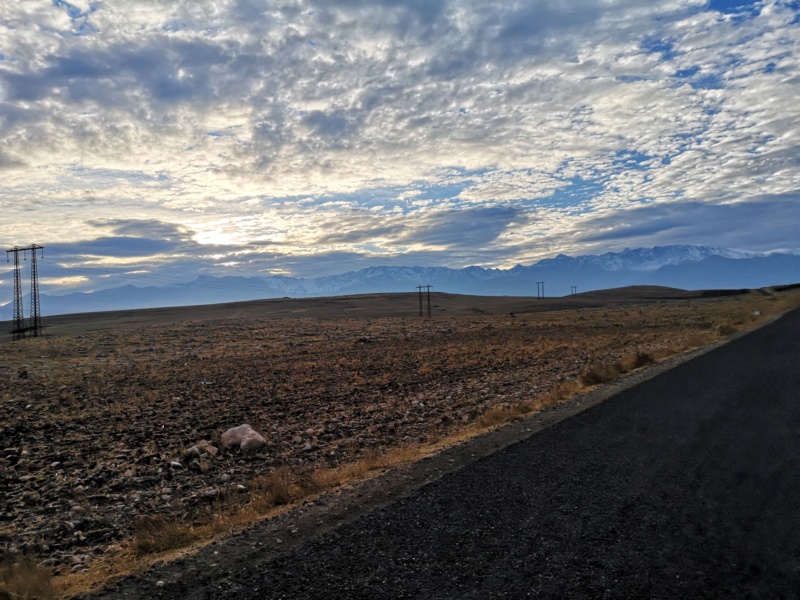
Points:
x=98, y=415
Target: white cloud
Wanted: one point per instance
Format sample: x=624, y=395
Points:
x=222, y=116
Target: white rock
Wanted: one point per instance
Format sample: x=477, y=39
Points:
x=252, y=443
x=244, y=437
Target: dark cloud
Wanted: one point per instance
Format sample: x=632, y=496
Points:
x=334, y=124
x=469, y=227
x=7, y=162
x=406, y=18
x=762, y=224
x=168, y=70
x=145, y=228
x=249, y=11
x=360, y=235
x=535, y=22
x=116, y=246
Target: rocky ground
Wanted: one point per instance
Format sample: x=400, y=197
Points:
x=98, y=428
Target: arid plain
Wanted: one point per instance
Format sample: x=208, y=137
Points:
x=111, y=423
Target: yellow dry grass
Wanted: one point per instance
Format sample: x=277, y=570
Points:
x=25, y=579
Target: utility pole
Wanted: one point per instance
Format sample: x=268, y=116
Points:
x=428, y=288
x=540, y=290
x=35, y=327
x=573, y=290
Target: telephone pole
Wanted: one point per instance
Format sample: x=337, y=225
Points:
x=540, y=290
x=19, y=329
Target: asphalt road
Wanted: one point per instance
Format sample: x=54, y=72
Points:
x=686, y=486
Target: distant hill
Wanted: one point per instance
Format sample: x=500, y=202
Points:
x=683, y=267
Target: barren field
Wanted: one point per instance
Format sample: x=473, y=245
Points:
x=98, y=424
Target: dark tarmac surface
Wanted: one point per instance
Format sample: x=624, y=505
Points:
x=685, y=486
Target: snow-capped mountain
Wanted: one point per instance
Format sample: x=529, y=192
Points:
x=648, y=259
x=687, y=267
x=396, y=279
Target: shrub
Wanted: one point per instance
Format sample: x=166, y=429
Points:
x=638, y=360
x=154, y=534
x=602, y=373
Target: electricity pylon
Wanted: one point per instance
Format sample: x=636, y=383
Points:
x=35, y=326
x=428, y=288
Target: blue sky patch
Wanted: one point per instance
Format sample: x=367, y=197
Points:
x=442, y=192
x=712, y=81
x=665, y=48
x=579, y=191
x=631, y=158
x=73, y=11
x=705, y=81
x=735, y=7
x=687, y=73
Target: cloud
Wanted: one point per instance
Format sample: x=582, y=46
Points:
x=462, y=228
x=266, y=134
x=763, y=224
x=144, y=229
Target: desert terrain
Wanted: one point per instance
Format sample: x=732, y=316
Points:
x=111, y=423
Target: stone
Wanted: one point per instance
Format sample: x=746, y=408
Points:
x=253, y=443
x=243, y=437
x=200, y=448
x=193, y=452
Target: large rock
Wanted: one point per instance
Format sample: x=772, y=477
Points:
x=243, y=437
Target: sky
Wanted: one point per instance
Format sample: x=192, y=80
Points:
x=150, y=142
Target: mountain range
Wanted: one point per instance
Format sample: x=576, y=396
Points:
x=685, y=267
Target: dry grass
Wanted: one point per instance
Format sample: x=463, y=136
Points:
x=158, y=539
x=506, y=413
x=602, y=373
x=610, y=371
x=152, y=535
x=262, y=498
x=25, y=579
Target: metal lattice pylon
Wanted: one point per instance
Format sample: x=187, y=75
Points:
x=19, y=329
x=36, y=315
